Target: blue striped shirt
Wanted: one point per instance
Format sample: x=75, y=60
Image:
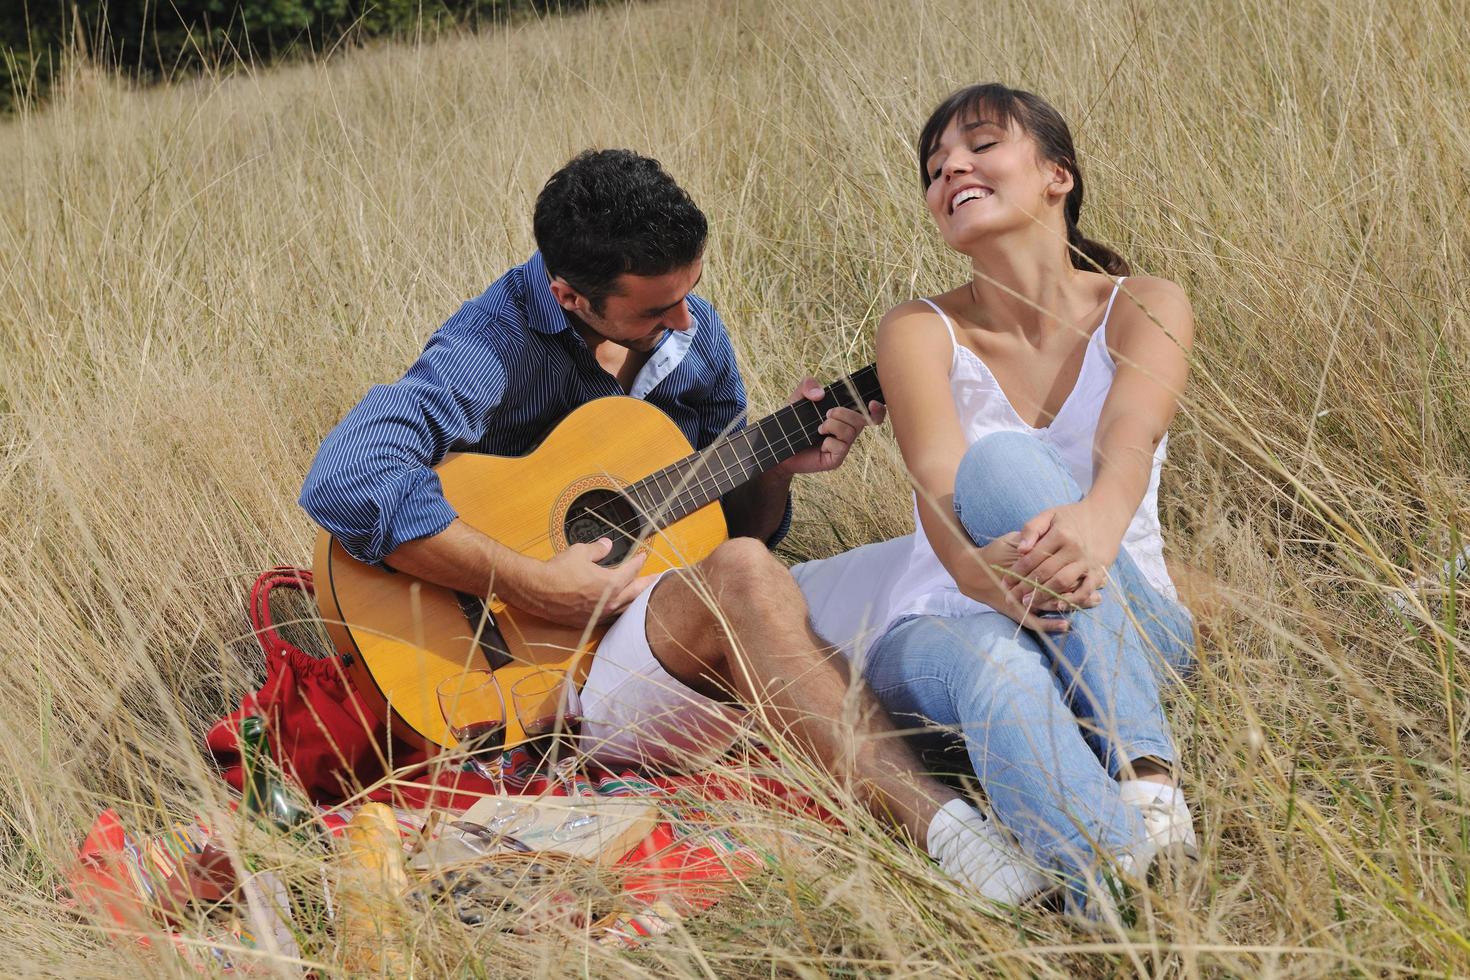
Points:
x=495, y=378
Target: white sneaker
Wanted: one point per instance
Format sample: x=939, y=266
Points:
x=1111, y=899
x=1165, y=814
x=978, y=852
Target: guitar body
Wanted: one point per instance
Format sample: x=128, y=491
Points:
x=402, y=636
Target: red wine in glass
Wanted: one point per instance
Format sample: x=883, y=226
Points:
x=552, y=736
x=475, y=713
x=484, y=740
x=556, y=736
x=550, y=713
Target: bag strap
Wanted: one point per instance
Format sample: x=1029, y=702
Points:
x=261, y=620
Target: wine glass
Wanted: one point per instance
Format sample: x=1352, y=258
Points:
x=550, y=713
x=474, y=709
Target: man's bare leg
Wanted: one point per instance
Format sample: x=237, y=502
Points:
x=801, y=681
x=802, y=686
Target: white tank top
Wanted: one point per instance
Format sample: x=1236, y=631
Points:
x=926, y=587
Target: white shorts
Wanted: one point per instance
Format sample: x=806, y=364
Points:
x=848, y=595
x=635, y=713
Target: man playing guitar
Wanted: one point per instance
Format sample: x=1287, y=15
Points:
x=605, y=308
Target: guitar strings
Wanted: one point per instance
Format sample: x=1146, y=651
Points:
x=688, y=487
x=702, y=486
x=844, y=393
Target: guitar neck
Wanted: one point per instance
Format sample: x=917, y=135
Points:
x=698, y=479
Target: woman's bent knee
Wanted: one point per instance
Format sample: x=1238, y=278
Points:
x=1007, y=478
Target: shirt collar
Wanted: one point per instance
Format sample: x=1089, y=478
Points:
x=545, y=315
x=670, y=352
x=543, y=312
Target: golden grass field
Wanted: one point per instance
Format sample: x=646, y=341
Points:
x=198, y=280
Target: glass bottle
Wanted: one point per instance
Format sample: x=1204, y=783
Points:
x=266, y=793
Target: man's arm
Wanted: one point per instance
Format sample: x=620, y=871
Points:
x=570, y=588
x=373, y=486
x=760, y=509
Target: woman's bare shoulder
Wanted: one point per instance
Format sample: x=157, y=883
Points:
x=909, y=311
x=1148, y=304
x=914, y=333
x=912, y=319
x=1143, y=287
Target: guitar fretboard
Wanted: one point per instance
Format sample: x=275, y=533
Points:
x=681, y=488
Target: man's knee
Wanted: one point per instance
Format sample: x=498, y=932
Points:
x=760, y=606
x=742, y=569
x=740, y=581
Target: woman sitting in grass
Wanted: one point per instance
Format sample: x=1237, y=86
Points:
x=1031, y=404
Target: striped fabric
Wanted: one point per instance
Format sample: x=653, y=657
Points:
x=495, y=378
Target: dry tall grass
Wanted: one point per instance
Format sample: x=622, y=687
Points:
x=199, y=280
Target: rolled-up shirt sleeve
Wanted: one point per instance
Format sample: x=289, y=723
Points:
x=372, y=485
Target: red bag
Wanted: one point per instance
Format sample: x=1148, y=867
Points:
x=333, y=745
x=321, y=732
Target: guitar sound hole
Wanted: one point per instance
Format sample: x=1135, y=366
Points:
x=604, y=514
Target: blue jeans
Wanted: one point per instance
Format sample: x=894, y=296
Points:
x=1050, y=720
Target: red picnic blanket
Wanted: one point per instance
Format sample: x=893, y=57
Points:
x=327, y=741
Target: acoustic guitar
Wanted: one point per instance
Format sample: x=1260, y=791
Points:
x=616, y=468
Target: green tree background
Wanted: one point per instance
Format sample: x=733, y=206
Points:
x=152, y=39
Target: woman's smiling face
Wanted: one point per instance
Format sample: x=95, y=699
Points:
x=987, y=177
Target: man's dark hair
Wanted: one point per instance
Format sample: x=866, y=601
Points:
x=610, y=212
